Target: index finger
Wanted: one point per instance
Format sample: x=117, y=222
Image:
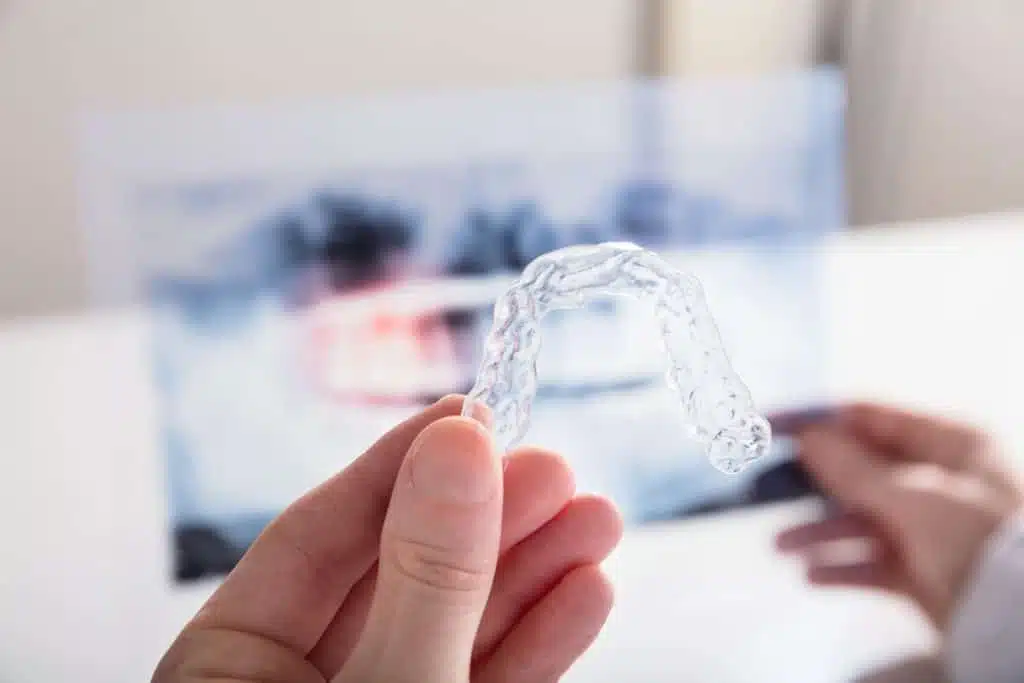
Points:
x=909, y=435
x=295, y=576
x=848, y=471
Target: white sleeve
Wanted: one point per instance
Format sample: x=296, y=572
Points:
x=985, y=642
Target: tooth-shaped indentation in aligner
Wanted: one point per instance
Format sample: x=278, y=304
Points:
x=718, y=411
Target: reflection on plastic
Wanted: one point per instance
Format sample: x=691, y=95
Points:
x=718, y=409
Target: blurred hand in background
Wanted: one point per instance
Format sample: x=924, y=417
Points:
x=927, y=493
x=425, y=561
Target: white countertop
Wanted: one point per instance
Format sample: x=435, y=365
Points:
x=924, y=314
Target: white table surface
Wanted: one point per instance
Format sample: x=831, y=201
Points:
x=926, y=314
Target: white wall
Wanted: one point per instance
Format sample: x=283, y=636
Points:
x=58, y=57
x=936, y=91
x=743, y=36
x=936, y=119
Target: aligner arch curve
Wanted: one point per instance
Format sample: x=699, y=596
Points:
x=718, y=410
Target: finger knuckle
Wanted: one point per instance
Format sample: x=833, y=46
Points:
x=439, y=568
x=318, y=564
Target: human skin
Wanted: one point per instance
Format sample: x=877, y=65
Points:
x=924, y=491
x=430, y=559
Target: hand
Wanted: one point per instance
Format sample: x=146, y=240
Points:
x=925, y=492
x=421, y=562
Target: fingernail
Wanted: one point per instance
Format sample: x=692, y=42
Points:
x=784, y=543
x=453, y=462
x=482, y=413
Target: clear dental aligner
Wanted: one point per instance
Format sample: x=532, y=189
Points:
x=718, y=410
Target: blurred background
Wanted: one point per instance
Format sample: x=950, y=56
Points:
x=933, y=102
x=238, y=240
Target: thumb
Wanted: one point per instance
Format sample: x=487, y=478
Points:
x=439, y=548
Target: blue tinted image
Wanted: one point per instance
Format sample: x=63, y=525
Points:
x=299, y=315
